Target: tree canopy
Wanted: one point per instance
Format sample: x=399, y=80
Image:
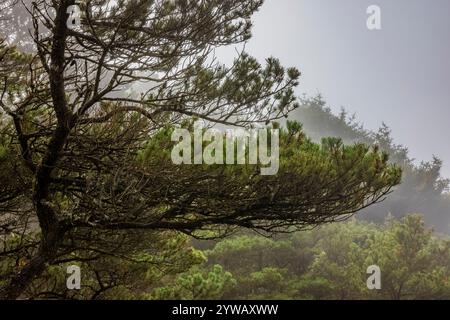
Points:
x=330, y=262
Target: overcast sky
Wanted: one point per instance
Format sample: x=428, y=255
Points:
x=399, y=74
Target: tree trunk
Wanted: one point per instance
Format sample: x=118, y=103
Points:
x=20, y=282
x=36, y=266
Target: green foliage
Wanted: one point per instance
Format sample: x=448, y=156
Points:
x=344, y=178
x=212, y=283
x=331, y=262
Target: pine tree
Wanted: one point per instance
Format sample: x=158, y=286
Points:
x=74, y=132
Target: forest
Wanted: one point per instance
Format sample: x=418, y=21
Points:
x=88, y=106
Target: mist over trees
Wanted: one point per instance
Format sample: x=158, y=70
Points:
x=330, y=262
x=86, y=173
x=422, y=190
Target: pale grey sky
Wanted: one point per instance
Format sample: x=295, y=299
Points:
x=400, y=74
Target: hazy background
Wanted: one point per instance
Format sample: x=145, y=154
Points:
x=399, y=74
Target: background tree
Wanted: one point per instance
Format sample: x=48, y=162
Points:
x=414, y=263
x=423, y=189
x=197, y=284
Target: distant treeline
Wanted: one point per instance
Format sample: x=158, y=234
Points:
x=325, y=263
x=423, y=189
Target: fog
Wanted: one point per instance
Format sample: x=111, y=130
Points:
x=399, y=74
